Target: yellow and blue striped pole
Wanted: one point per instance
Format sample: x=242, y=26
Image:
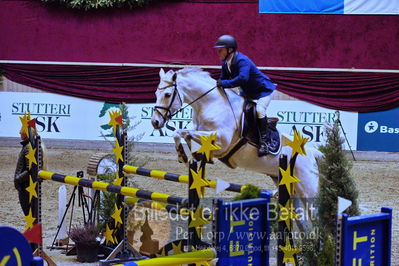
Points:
x=126, y=191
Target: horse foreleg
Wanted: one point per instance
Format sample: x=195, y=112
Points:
x=181, y=154
x=193, y=137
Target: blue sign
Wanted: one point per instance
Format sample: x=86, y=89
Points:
x=242, y=232
x=366, y=240
x=15, y=249
x=378, y=131
x=329, y=6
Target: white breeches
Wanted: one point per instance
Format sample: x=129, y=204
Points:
x=262, y=104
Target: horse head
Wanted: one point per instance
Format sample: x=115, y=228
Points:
x=168, y=99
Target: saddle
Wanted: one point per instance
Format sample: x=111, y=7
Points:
x=249, y=128
x=250, y=134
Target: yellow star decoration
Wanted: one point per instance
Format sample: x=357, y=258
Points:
x=160, y=254
x=108, y=234
x=114, y=119
x=118, y=151
x=287, y=213
x=29, y=220
x=289, y=252
x=298, y=144
x=31, y=189
x=208, y=145
x=287, y=179
x=117, y=215
x=177, y=248
x=198, y=182
x=201, y=263
x=24, y=120
x=118, y=180
x=31, y=155
x=197, y=220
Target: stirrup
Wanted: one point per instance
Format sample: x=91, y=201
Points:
x=265, y=152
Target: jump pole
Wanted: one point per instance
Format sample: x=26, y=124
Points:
x=178, y=259
x=121, y=190
x=162, y=175
x=159, y=206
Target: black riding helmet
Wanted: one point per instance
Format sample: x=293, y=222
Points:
x=226, y=41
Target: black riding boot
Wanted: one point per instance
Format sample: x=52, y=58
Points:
x=264, y=137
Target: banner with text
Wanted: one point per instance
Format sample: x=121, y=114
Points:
x=379, y=131
x=64, y=117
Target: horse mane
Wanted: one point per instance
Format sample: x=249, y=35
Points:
x=194, y=71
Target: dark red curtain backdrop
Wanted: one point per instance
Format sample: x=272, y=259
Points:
x=359, y=92
x=183, y=32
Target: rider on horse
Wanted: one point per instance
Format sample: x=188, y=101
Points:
x=239, y=71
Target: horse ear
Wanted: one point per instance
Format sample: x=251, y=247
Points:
x=161, y=72
x=174, y=77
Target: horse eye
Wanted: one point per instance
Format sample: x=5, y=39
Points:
x=167, y=95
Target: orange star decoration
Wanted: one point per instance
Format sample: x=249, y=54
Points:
x=177, y=249
x=287, y=213
x=31, y=155
x=115, y=119
x=197, y=220
x=31, y=189
x=117, y=215
x=118, y=180
x=24, y=120
x=289, y=252
x=198, y=182
x=298, y=144
x=287, y=179
x=118, y=151
x=108, y=234
x=208, y=145
x=29, y=220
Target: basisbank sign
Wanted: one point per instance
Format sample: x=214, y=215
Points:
x=379, y=131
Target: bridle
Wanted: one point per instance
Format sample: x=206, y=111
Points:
x=168, y=114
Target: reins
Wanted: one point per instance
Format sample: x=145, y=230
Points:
x=190, y=103
x=169, y=115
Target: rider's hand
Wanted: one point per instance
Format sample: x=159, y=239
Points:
x=219, y=83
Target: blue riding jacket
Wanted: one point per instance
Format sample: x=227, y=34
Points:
x=244, y=73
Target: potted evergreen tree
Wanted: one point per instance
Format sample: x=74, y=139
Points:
x=86, y=241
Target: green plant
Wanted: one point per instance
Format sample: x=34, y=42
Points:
x=86, y=233
x=249, y=192
x=97, y=4
x=335, y=181
x=108, y=200
x=128, y=125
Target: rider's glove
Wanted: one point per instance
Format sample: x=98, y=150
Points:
x=219, y=83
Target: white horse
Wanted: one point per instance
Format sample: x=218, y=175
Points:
x=218, y=111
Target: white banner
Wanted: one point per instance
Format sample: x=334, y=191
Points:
x=64, y=117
